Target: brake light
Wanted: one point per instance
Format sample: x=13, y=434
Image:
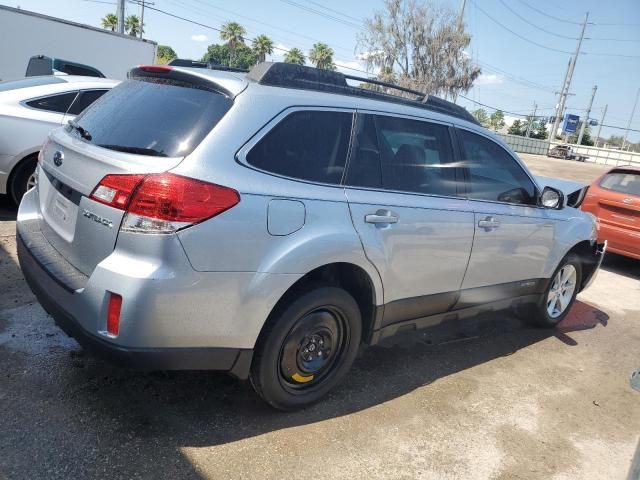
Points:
x=163, y=202
x=156, y=68
x=113, y=314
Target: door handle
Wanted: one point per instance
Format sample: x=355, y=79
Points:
x=381, y=217
x=488, y=223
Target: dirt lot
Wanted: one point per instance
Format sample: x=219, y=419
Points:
x=505, y=402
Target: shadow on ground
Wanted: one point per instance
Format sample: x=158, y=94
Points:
x=79, y=416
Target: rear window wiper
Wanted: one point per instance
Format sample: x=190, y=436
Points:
x=84, y=133
x=136, y=150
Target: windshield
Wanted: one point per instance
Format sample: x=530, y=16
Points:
x=153, y=117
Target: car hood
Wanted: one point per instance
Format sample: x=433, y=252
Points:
x=574, y=192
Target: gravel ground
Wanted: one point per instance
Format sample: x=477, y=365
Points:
x=494, y=400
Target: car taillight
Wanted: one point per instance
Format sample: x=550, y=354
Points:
x=163, y=202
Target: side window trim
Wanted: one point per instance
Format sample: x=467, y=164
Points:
x=359, y=113
x=25, y=103
x=515, y=160
x=241, y=154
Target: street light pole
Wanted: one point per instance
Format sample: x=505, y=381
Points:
x=567, y=85
x=533, y=119
x=586, y=118
x=461, y=14
x=120, y=14
x=633, y=110
x=601, y=122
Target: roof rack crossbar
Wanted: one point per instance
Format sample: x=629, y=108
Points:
x=287, y=75
x=373, y=81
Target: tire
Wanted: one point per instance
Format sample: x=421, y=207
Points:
x=541, y=313
x=21, y=178
x=306, y=348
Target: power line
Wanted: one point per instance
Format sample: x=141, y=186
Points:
x=517, y=34
x=547, y=15
x=359, y=20
x=323, y=14
x=533, y=24
x=621, y=55
x=249, y=39
x=267, y=24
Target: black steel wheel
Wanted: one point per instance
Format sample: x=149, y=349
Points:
x=307, y=348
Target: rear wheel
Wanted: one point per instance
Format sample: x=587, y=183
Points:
x=554, y=304
x=23, y=178
x=307, y=348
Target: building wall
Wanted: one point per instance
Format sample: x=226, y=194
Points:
x=24, y=34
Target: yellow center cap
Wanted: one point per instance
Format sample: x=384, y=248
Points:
x=301, y=379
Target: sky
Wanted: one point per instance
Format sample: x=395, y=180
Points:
x=522, y=46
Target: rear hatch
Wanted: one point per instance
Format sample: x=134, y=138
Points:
x=619, y=200
x=145, y=125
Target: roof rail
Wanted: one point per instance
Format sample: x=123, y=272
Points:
x=277, y=74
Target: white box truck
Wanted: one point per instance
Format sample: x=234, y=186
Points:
x=25, y=34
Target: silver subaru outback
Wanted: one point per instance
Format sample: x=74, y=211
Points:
x=268, y=224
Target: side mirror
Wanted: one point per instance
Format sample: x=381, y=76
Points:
x=552, y=198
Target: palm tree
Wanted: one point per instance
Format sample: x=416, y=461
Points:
x=321, y=55
x=233, y=33
x=262, y=46
x=110, y=21
x=132, y=25
x=295, y=56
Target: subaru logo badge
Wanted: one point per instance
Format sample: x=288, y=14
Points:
x=58, y=157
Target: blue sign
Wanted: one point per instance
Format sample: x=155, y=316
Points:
x=570, y=124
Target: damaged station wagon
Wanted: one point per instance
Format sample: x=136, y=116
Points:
x=270, y=223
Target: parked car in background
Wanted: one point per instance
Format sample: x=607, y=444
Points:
x=615, y=199
x=29, y=109
x=268, y=224
x=566, y=152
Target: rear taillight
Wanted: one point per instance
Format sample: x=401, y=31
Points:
x=163, y=202
x=116, y=190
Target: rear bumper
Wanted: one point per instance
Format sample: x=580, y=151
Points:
x=52, y=297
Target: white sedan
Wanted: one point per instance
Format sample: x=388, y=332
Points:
x=29, y=109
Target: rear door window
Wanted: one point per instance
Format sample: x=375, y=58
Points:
x=86, y=98
x=59, y=103
x=158, y=117
x=402, y=154
x=308, y=145
x=492, y=173
x=623, y=182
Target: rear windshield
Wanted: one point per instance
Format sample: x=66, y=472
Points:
x=29, y=82
x=623, y=182
x=158, y=117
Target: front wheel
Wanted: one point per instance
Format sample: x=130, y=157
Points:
x=554, y=304
x=307, y=348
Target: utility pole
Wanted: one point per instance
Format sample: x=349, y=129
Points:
x=461, y=15
x=586, y=119
x=633, y=111
x=141, y=17
x=533, y=119
x=601, y=122
x=120, y=14
x=567, y=85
